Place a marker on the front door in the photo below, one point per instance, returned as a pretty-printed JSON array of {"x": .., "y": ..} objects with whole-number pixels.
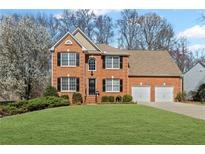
[{"x": 91, "y": 88}]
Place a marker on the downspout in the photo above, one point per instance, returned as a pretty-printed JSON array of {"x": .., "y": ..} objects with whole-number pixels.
[
  {"x": 84, "y": 78},
  {"x": 51, "y": 69}
]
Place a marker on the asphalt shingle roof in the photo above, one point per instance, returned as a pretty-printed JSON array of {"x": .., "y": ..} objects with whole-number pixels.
[{"x": 146, "y": 63}]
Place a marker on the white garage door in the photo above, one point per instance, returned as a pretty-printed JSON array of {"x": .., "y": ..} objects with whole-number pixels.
[
  {"x": 164, "y": 94},
  {"x": 141, "y": 94}
]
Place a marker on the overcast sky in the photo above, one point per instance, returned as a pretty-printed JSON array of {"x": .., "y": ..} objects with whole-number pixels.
[{"x": 186, "y": 23}]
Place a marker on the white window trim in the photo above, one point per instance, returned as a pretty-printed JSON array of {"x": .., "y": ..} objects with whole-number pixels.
[
  {"x": 68, "y": 60},
  {"x": 112, "y": 86},
  {"x": 68, "y": 85},
  {"x": 95, "y": 65},
  {"x": 112, "y": 62}
]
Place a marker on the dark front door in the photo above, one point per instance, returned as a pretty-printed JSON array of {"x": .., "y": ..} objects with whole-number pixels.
[{"x": 91, "y": 84}]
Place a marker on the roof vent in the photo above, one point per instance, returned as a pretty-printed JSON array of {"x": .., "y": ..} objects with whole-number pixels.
[{"x": 68, "y": 42}]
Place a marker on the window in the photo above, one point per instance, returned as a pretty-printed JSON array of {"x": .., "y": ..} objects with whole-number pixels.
[
  {"x": 68, "y": 59},
  {"x": 112, "y": 85},
  {"x": 68, "y": 84},
  {"x": 68, "y": 42},
  {"x": 112, "y": 62},
  {"x": 91, "y": 63}
]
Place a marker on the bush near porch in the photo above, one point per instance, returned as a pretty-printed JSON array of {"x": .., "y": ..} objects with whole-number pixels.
[{"x": 125, "y": 99}]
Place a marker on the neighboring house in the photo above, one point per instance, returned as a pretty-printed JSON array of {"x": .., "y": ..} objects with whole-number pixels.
[
  {"x": 194, "y": 78},
  {"x": 79, "y": 65}
]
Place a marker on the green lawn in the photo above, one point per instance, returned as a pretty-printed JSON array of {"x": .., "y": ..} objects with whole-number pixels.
[{"x": 101, "y": 124}]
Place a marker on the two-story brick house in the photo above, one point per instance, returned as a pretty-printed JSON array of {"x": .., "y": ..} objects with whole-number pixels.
[{"x": 79, "y": 65}]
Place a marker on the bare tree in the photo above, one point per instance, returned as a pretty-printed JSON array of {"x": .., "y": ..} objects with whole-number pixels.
[
  {"x": 23, "y": 55},
  {"x": 85, "y": 20},
  {"x": 183, "y": 57},
  {"x": 156, "y": 32},
  {"x": 129, "y": 29},
  {"x": 67, "y": 21},
  {"x": 104, "y": 29},
  {"x": 147, "y": 32}
]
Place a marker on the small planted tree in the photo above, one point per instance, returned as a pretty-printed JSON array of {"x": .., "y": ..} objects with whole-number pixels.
[
  {"x": 118, "y": 99},
  {"x": 181, "y": 97},
  {"x": 77, "y": 98}
]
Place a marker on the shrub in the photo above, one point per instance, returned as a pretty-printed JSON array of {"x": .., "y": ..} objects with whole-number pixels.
[
  {"x": 33, "y": 104},
  {"x": 57, "y": 101},
  {"x": 19, "y": 104},
  {"x": 201, "y": 92},
  {"x": 111, "y": 99},
  {"x": 10, "y": 110},
  {"x": 65, "y": 97},
  {"x": 118, "y": 99},
  {"x": 77, "y": 98},
  {"x": 6, "y": 102},
  {"x": 50, "y": 91},
  {"x": 181, "y": 97},
  {"x": 127, "y": 98},
  {"x": 105, "y": 99},
  {"x": 46, "y": 102}
]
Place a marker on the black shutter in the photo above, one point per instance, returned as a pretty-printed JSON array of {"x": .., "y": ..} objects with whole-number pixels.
[
  {"x": 59, "y": 84},
  {"x": 103, "y": 85},
  {"x": 58, "y": 59},
  {"x": 77, "y": 59},
  {"x": 121, "y": 62},
  {"x": 121, "y": 85},
  {"x": 77, "y": 84},
  {"x": 103, "y": 62}
]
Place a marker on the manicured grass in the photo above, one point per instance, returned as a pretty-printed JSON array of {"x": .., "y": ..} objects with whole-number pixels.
[{"x": 101, "y": 124}]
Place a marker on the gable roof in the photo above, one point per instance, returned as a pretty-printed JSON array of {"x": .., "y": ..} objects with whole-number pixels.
[
  {"x": 198, "y": 63},
  {"x": 78, "y": 30},
  {"x": 109, "y": 50},
  {"x": 68, "y": 33},
  {"x": 147, "y": 63}
]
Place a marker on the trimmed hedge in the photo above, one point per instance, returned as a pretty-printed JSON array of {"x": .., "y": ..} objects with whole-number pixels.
[
  {"x": 33, "y": 105},
  {"x": 105, "y": 99},
  {"x": 127, "y": 98},
  {"x": 118, "y": 99},
  {"x": 111, "y": 99}
]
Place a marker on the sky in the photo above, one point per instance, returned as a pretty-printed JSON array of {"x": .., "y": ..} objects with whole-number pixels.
[{"x": 187, "y": 23}]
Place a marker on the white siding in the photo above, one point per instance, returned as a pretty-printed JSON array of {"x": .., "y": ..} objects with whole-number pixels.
[{"x": 194, "y": 78}]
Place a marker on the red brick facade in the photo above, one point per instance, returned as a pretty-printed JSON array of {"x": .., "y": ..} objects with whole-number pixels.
[
  {"x": 153, "y": 82},
  {"x": 84, "y": 74}
]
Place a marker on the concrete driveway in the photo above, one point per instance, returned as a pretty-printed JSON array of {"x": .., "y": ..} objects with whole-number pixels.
[{"x": 196, "y": 111}]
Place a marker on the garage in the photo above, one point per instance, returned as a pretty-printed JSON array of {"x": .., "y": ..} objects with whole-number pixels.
[
  {"x": 164, "y": 94},
  {"x": 141, "y": 93}
]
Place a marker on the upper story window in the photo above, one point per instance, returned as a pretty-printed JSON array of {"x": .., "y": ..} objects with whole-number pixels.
[
  {"x": 91, "y": 63},
  {"x": 112, "y": 62},
  {"x": 68, "y": 59}
]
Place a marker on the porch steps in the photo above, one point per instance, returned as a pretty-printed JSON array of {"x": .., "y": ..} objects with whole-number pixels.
[{"x": 90, "y": 99}]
